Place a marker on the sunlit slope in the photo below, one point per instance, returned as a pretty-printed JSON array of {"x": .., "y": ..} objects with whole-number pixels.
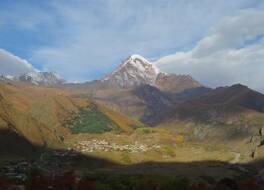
[
  {"x": 121, "y": 120},
  {"x": 37, "y": 113},
  {"x": 42, "y": 114}
]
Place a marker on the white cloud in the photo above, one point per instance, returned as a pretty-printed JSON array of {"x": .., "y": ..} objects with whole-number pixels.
[
  {"x": 13, "y": 65},
  {"x": 96, "y": 36},
  {"x": 82, "y": 40},
  {"x": 233, "y": 52},
  {"x": 25, "y": 17}
]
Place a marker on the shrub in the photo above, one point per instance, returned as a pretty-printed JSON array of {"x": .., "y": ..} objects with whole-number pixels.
[
  {"x": 125, "y": 157},
  {"x": 37, "y": 181},
  {"x": 134, "y": 182},
  {"x": 175, "y": 183},
  {"x": 208, "y": 179},
  {"x": 4, "y": 183},
  {"x": 133, "y": 126},
  {"x": 144, "y": 130},
  {"x": 168, "y": 150},
  {"x": 64, "y": 182},
  {"x": 179, "y": 139},
  {"x": 199, "y": 186},
  {"x": 86, "y": 184}
]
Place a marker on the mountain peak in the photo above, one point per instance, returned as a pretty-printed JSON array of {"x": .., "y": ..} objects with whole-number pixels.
[
  {"x": 139, "y": 62},
  {"x": 138, "y": 57},
  {"x": 134, "y": 71},
  {"x": 137, "y": 70}
]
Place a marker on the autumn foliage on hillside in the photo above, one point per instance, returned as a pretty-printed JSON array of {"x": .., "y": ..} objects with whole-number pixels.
[{"x": 69, "y": 181}]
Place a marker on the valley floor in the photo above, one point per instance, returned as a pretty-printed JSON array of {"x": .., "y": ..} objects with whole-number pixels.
[{"x": 159, "y": 145}]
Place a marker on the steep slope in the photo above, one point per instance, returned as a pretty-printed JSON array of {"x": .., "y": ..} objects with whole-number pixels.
[
  {"x": 235, "y": 105},
  {"x": 36, "y": 113},
  {"x": 97, "y": 118},
  {"x": 236, "y": 95},
  {"x": 135, "y": 71},
  {"x": 14, "y": 145},
  {"x": 124, "y": 123},
  {"x": 138, "y": 102},
  {"x": 175, "y": 83},
  {"x": 156, "y": 102},
  {"x": 40, "y": 114}
]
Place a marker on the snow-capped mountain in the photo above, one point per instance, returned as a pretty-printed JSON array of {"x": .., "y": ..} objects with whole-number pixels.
[
  {"x": 42, "y": 78},
  {"x": 37, "y": 78},
  {"x": 135, "y": 70}
]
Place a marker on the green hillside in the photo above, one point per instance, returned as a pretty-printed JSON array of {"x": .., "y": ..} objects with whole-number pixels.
[{"x": 91, "y": 120}]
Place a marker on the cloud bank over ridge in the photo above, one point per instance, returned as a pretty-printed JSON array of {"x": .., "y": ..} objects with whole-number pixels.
[
  {"x": 13, "y": 65},
  {"x": 232, "y": 52}
]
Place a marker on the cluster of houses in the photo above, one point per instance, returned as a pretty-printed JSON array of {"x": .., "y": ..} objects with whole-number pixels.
[{"x": 104, "y": 146}]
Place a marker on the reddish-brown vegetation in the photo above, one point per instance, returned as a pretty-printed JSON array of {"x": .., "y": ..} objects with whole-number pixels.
[{"x": 69, "y": 181}]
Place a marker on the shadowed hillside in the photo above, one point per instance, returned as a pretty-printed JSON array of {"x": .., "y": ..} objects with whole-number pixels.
[
  {"x": 235, "y": 105},
  {"x": 15, "y": 146}
]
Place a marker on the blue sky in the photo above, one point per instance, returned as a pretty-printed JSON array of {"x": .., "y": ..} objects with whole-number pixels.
[{"x": 85, "y": 39}]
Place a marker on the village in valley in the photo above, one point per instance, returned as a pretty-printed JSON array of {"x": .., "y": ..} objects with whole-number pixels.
[{"x": 102, "y": 145}]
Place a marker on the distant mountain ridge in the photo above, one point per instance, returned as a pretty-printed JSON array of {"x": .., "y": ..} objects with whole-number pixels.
[
  {"x": 42, "y": 78},
  {"x": 235, "y": 105},
  {"x": 37, "y": 78}
]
